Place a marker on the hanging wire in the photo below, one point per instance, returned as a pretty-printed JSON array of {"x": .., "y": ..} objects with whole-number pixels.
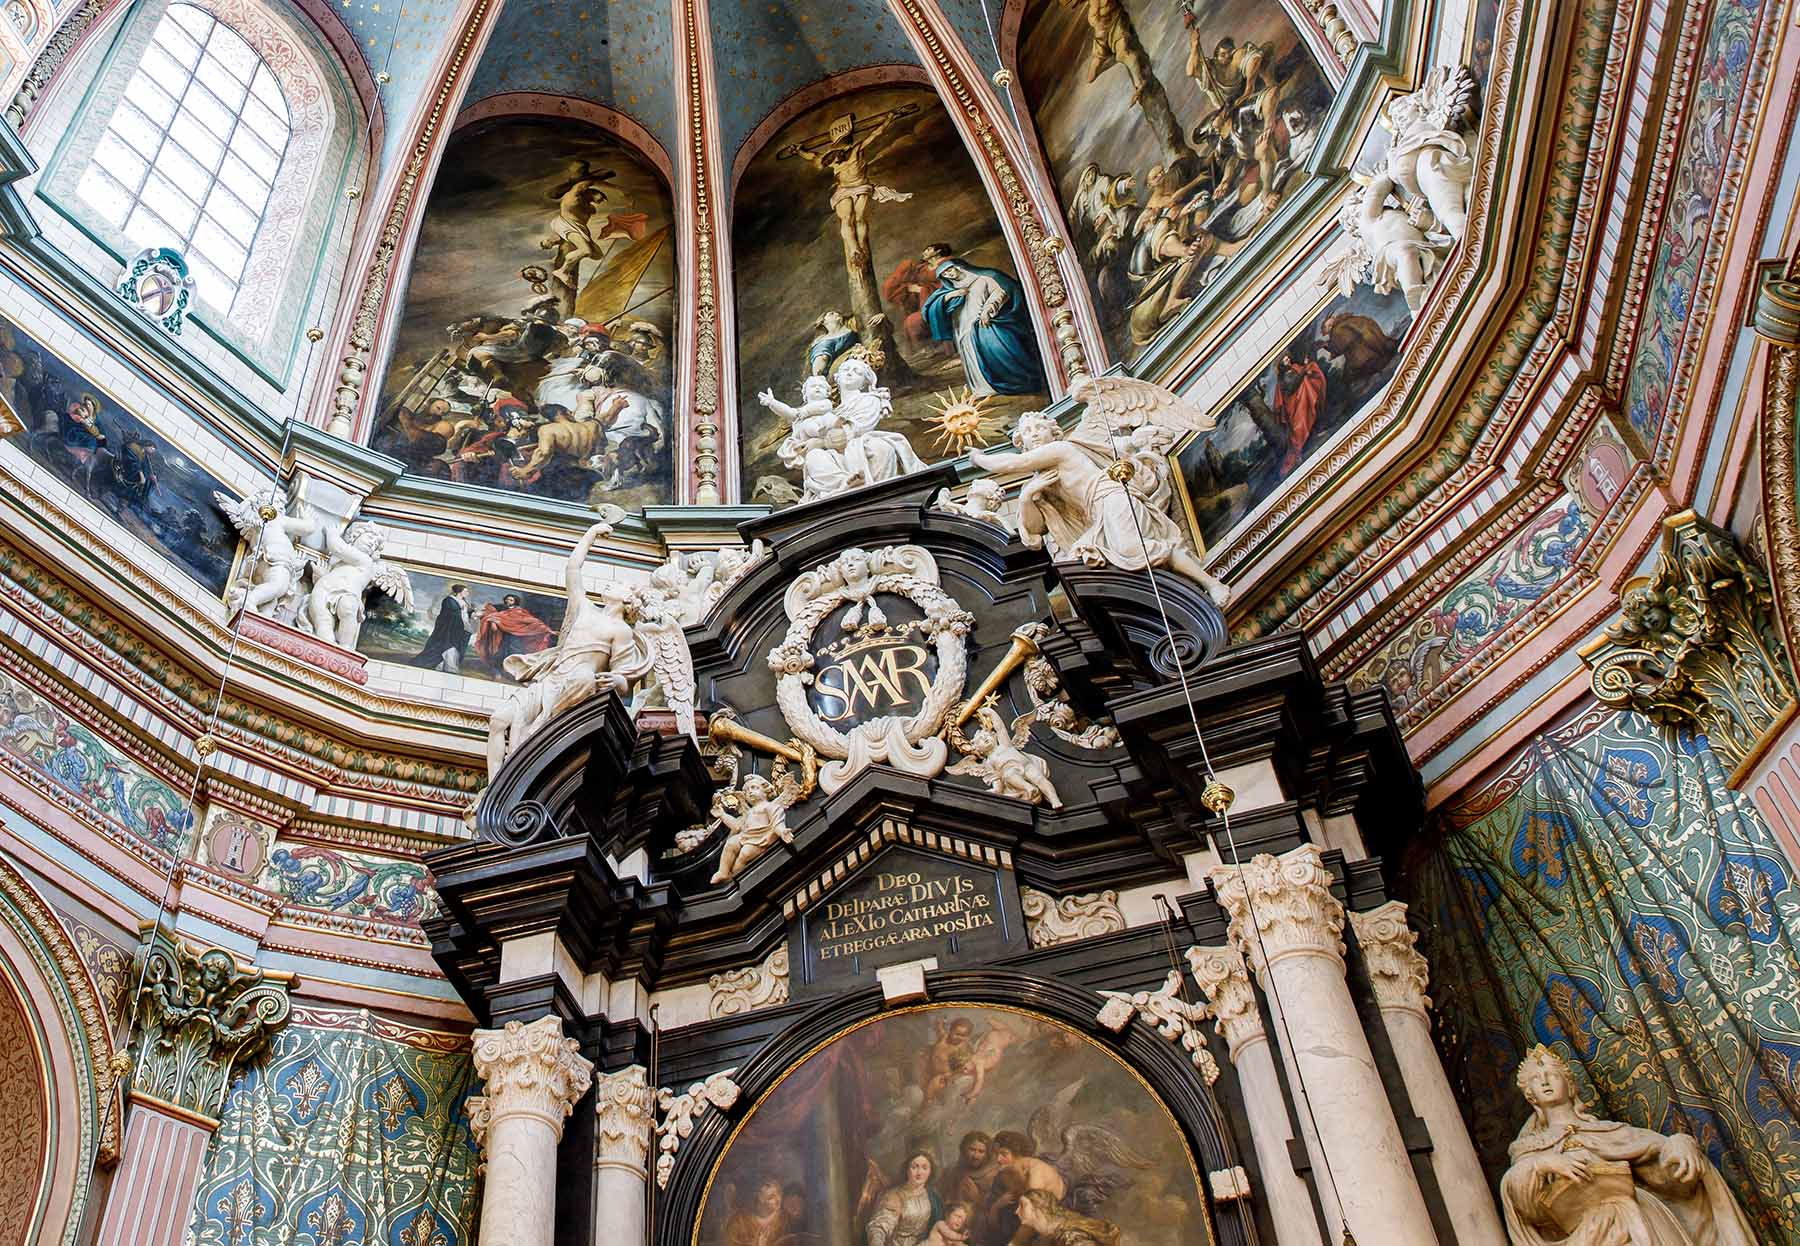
[{"x": 655, "y": 1080}]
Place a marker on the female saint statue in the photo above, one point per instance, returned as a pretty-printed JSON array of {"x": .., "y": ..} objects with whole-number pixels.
[{"x": 1581, "y": 1181}]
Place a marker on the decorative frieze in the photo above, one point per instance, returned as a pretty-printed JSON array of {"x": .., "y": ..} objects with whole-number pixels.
[
  {"x": 1050, "y": 920},
  {"x": 200, "y": 1015},
  {"x": 1281, "y": 906},
  {"x": 1397, "y": 971},
  {"x": 681, "y": 1111},
  {"x": 624, "y": 1111},
  {"x": 1697, "y": 644},
  {"x": 531, "y": 1070},
  {"x": 738, "y": 991},
  {"x": 1224, "y": 979},
  {"x": 1174, "y": 1018}
]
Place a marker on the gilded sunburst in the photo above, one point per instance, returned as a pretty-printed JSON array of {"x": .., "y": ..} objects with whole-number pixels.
[{"x": 962, "y": 420}]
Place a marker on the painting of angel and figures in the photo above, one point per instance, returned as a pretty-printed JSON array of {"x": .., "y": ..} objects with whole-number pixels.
[
  {"x": 1174, "y": 131},
  {"x": 533, "y": 353},
  {"x": 881, "y": 322},
  {"x": 957, "y": 1126}
]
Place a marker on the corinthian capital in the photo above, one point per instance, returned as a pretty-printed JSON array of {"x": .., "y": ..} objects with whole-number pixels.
[
  {"x": 1281, "y": 906},
  {"x": 531, "y": 1070},
  {"x": 1396, "y": 969},
  {"x": 1225, "y": 981},
  {"x": 623, "y": 1106},
  {"x": 200, "y": 1014}
]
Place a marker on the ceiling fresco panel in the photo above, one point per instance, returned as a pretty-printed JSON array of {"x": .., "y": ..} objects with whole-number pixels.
[
  {"x": 1172, "y": 132},
  {"x": 834, "y": 234},
  {"x": 533, "y": 351}
]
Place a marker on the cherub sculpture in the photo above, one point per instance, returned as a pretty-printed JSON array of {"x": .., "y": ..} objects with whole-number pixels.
[
  {"x": 686, "y": 581},
  {"x": 269, "y": 583},
  {"x": 629, "y": 637},
  {"x": 754, "y": 813},
  {"x": 997, "y": 756},
  {"x": 1429, "y": 156},
  {"x": 1102, "y": 492},
  {"x": 1388, "y": 246},
  {"x": 334, "y": 607},
  {"x": 983, "y": 501}
]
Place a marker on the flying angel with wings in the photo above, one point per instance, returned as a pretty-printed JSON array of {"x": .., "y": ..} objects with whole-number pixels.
[
  {"x": 622, "y": 642},
  {"x": 1094, "y": 1162},
  {"x": 269, "y": 581},
  {"x": 334, "y": 607},
  {"x": 1102, "y": 492},
  {"x": 997, "y": 756}
]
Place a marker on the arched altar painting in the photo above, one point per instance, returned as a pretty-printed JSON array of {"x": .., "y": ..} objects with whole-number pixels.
[
  {"x": 534, "y": 350},
  {"x": 1173, "y": 131},
  {"x": 977, "y": 1118},
  {"x": 861, "y": 228},
  {"x": 22, "y": 1120}
]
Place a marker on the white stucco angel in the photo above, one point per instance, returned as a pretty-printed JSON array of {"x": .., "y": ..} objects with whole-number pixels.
[
  {"x": 754, "y": 814},
  {"x": 1388, "y": 245},
  {"x": 269, "y": 582},
  {"x": 983, "y": 501},
  {"x": 997, "y": 756},
  {"x": 1103, "y": 491},
  {"x": 620, "y": 642},
  {"x": 1429, "y": 157},
  {"x": 334, "y": 606},
  {"x": 686, "y": 582}
]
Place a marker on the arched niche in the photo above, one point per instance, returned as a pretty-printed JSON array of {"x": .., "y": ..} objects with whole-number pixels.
[
  {"x": 840, "y": 196},
  {"x": 56, "y": 1080},
  {"x": 841, "y": 1101},
  {"x": 543, "y": 284},
  {"x": 1172, "y": 133}
]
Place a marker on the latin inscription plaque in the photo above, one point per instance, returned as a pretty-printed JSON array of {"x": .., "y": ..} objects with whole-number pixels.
[{"x": 905, "y": 905}]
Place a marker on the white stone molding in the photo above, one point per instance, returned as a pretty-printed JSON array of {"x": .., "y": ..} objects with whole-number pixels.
[
  {"x": 1281, "y": 906},
  {"x": 624, "y": 1109},
  {"x": 1397, "y": 971},
  {"x": 738, "y": 991},
  {"x": 1050, "y": 920},
  {"x": 1224, "y": 979},
  {"x": 1174, "y": 1018},
  {"x": 681, "y": 1111}
]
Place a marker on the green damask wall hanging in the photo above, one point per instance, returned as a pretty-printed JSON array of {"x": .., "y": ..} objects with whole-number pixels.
[{"x": 1609, "y": 896}]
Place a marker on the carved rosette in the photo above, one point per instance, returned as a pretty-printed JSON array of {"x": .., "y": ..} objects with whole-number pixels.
[
  {"x": 681, "y": 1111},
  {"x": 1050, "y": 920},
  {"x": 624, "y": 1109},
  {"x": 1697, "y": 644},
  {"x": 1397, "y": 971},
  {"x": 531, "y": 1070},
  {"x": 1171, "y": 1015},
  {"x": 200, "y": 1015},
  {"x": 738, "y": 991},
  {"x": 1224, "y": 979},
  {"x": 1281, "y": 906}
]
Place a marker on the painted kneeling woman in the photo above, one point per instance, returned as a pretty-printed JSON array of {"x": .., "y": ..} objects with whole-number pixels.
[{"x": 1581, "y": 1181}]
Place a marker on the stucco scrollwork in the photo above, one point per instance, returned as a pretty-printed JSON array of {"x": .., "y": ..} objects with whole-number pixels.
[
  {"x": 738, "y": 991},
  {"x": 681, "y": 1111},
  {"x": 1697, "y": 645},
  {"x": 1172, "y": 1016},
  {"x": 1050, "y": 920}
]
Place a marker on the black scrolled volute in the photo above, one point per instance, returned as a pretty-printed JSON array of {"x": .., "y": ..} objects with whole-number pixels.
[
  {"x": 1163, "y": 1065},
  {"x": 534, "y": 797},
  {"x": 1126, "y": 613}
]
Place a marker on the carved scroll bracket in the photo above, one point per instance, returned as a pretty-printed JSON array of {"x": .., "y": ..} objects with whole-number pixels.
[
  {"x": 681, "y": 1111},
  {"x": 1172, "y": 1016}
]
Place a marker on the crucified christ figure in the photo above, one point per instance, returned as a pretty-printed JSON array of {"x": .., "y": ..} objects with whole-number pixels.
[{"x": 843, "y": 152}]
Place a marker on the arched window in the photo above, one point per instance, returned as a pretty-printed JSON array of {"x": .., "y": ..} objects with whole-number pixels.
[{"x": 191, "y": 152}]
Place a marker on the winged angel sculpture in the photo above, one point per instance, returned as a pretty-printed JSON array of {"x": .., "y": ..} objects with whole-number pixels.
[
  {"x": 1103, "y": 491},
  {"x": 997, "y": 755},
  {"x": 622, "y": 642},
  {"x": 270, "y": 582}
]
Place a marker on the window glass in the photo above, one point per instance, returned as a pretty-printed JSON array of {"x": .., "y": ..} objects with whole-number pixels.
[{"x": 190, "y": 154}]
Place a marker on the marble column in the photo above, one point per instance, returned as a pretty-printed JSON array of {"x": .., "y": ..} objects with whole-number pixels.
[
  {"x": 623, "y": 1108},
  {"x": 1399, "y": 975},
  {"x": 1287, "y": 924},
  {"x": 533, "y": 1076},
  {"x": 1225, "y": 982}
]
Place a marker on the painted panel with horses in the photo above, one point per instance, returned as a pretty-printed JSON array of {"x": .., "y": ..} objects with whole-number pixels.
[
  {"x": 533, "y": 353},
  {"x": 77, "y": 432},
  {"x": 1173, "y": 132},
  {"x": 957, "y": 1125}
]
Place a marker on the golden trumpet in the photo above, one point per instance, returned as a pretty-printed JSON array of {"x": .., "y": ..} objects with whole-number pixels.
[
  {"x": 726, "y": 730},
  {"x": 1023, "y": 646}
]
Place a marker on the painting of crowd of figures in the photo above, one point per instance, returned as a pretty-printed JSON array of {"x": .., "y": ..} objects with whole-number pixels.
[
  {"x": 533, "y": 352},
  {"x": 957, "y": 1126},
  {"x": 862, "y": 235},
  {"x": 1173, "y": 131}
]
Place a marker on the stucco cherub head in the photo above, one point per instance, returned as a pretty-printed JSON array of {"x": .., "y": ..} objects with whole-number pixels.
[
  {"x": 815, "y": 389},
  {"x": 1035, "y": 429}
]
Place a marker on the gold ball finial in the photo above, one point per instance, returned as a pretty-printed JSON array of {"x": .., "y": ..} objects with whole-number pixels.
[
  {"x": 384, "y": 77},
  {"x": 265, "y": 512},
  {"x": 353, "y": 192},
  {"x": 315, "y": 335},
  {"x": 1121, "y": 470},
  {"x": 1003, "y": 78},
  {"x": 1216, "y": 796},
  {"x": 204, "y": 746}
]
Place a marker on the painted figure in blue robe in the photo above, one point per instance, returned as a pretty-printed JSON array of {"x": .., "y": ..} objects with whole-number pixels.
[
  {"x": 833, "y": 335},
  {"x": 983, "y": 311}
]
